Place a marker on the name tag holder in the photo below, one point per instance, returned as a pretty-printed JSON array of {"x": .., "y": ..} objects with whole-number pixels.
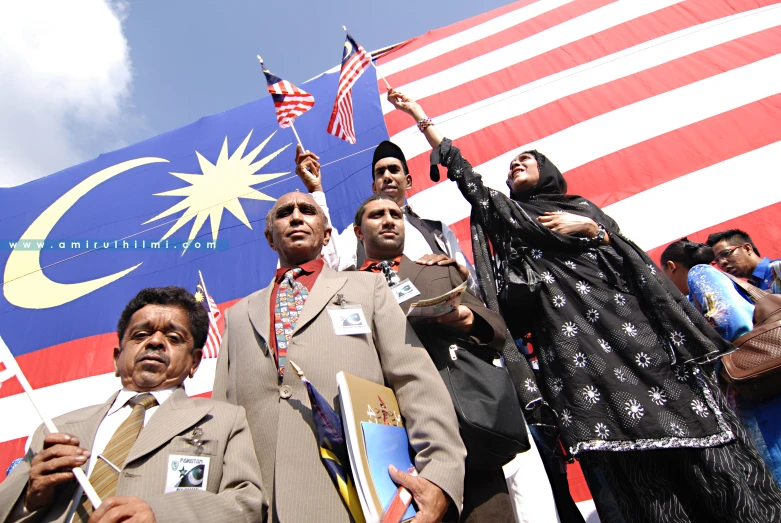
[{"x": 347, "y": 320}]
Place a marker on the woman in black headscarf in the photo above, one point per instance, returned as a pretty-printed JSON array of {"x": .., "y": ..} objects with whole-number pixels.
[{"x": 621, "y": 349}]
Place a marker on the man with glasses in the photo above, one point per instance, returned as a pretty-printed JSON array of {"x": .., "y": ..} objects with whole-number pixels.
[{"x": 736, "y": 254}]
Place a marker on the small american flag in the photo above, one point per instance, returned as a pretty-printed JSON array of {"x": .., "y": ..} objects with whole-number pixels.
[
  {"x": 289, "y": 100},
  {"x": 213, "y": 340},
  {"x": 355, "y": 60}
]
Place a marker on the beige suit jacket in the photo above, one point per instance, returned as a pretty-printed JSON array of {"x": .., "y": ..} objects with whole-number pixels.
[
  {"x": 233, "y": 488},
  {"x": 280, "y": 417}
]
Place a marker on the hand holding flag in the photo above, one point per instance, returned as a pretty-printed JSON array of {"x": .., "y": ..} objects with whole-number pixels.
[{"x": 12, "y": 369}]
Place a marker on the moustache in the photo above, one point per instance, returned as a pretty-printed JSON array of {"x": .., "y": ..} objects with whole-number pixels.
[{"x": 154, "y": 355}]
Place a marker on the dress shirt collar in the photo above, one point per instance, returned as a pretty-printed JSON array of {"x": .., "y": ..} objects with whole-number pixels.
[
  {"x": 310, "y": 267},
  {"x": 125, "y": 395},
  {"x": 372, "y": 265},
  {"x": 406, "y": 209},
  {"x": 759, "y": 274}
]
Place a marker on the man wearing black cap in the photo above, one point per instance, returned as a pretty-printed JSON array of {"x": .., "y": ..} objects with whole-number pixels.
[{"x": 428, "y": 241}]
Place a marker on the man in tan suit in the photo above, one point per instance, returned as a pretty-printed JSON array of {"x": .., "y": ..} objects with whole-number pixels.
[
  {"x": 151, "y": 452},
  {"x": 278, "y": 409}
]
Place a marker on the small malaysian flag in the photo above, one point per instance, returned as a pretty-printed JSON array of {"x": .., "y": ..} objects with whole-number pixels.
[
  {"x": 213, "y": 340},
  {"x": 355, "y": 60},
  {"x": 289, "y": 100}
]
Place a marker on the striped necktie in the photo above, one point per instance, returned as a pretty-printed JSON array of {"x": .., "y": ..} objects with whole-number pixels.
[
  {"x": 287, "y": 309},
  {"x": 103, "y": 477}
]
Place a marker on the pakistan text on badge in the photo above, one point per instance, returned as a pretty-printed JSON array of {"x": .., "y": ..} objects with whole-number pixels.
[{"x": 186, "y": 473}]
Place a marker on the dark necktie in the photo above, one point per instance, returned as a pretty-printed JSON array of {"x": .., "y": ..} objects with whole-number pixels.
[{"x": 387, "y": 270}]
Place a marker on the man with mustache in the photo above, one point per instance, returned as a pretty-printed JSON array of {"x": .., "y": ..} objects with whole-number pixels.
[
  {"x": 291, "y": 320},
  {"x": 152, "y": 453},
  {"x": 428, "y": 241},
  {"x": 380, "y": 227}
]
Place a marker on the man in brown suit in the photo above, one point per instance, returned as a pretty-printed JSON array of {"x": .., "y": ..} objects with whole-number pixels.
[
  {"x": 252, "y": 359},
  {"x": 379, "y": 225},
  {"x": 151, "y": 452}
]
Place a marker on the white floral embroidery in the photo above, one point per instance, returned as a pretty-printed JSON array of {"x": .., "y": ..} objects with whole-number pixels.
[
  {"x": 605, "y": 345},
  {"x": 549, "y": 355},
  {"x": 602, "y": 430},
  {"x": 590, "y": 393},
  {"x": 592, "y": 315},
  {"x": 634, "y": 409},
  {"x": 643, "y": 359},
  {"x": 569, "y": 329},
  {"x": 658, "y": 395},
  {"x": 583, "y": 287},
  {"x": 677, "y": 338},
  {"x": 620, "y": 375},
  {"x": 601, "y": 274},
  {"x": 592, "y": 255},
  {"x": 557, "y": 384},
  {"x": 630, "y": 329},
  {"x": 653, "y": 269},
  {"x": 484, "y": 204},
  {"x": 536, "y": 254},
  {"x": 566, "y": 417},
  {"x": 580, "y": 360},
  {"x": 571, "y": 264},
  {"x": 680, "y": 373},
  {"x": 619, "y": 299},
  {"x": 530, "y": 385},
  {"x": 558, "y": 301},
  {"x": 472, "y": 186},
  {"x": 547, "y": 277},
  {"x": 699, "y": 408},
  {"x": 677, "y": 429}
]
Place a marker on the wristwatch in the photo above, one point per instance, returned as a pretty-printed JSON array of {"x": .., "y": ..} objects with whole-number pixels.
[{"x": 600, "y": 237}]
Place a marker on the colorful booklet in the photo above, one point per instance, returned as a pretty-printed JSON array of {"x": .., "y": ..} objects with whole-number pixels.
[{"x": 376, "y": 438}]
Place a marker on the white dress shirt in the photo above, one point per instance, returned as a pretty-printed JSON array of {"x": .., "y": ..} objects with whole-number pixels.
[
  {"x": 341, "y": 252},
  {"x": 118, "y": 413}
]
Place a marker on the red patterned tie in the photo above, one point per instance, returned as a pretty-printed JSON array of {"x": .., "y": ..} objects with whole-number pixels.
[{"x": 290, "y": 302}]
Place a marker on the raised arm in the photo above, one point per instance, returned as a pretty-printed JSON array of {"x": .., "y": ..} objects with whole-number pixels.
[{"x": 458, "y": 168}]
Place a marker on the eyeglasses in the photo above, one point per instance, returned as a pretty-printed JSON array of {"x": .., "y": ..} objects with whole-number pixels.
[{"x": 726, "y": 253}]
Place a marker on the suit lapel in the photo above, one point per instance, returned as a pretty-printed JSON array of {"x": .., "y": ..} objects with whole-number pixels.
[
  {"x": 327, "y": 285},
  {"x": 258, "y": 309},
  {"x": 174, "y": 416},
  {"x": 410, "y": 269},
  {"x": 86, "y": 429}
]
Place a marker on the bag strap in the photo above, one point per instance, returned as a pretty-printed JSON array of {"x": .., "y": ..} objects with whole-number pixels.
[
  {"x": 756, "y": 332},
  {"x": 754, "y": 292}
]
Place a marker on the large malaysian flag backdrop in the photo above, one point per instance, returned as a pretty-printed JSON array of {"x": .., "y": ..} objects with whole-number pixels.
[{"x": 667, "y": 113}]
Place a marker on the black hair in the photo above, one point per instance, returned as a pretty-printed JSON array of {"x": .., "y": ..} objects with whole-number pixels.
[
  {"x": 362, "y": 208},
  {"x": 174, "y": 296},
  {"x": 688, "y": 253},
  {"x": 733, "y": 237}
]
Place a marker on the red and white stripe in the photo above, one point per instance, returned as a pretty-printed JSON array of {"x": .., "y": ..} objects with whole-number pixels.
[
  {"x": 295, "y": 103},
  {"x": 212, "y": 347},
  {"x": 341, "y": 124},
  {"x": 664, "y": 112}
]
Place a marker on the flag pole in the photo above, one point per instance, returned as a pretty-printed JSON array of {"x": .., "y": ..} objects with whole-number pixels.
[
  {"x": 296, "y": 133},
  {"x": 11, "y": 365},
  {"x": 375, "y": 66}
]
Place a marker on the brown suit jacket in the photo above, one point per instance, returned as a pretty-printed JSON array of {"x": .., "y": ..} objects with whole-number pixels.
[
  {"x": 233, "y": 490},
  {"x": 280, "y": 416},
  {"x": 435, "y": 280}
]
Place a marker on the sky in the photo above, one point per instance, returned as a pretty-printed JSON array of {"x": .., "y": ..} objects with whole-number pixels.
[{"x": 84, "y": 77}]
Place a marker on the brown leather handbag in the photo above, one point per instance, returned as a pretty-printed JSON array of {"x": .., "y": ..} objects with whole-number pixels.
[{"x": 754, "y": 370}]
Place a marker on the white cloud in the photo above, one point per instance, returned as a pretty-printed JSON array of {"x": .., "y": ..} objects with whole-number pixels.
[{"x": 65, "y": 77}]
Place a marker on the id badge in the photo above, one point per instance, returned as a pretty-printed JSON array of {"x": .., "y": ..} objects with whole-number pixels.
[
  {"x": 404, "y": 290},
  {"x": 348, "y": 320},
  {"x": 186, "y": 473}
]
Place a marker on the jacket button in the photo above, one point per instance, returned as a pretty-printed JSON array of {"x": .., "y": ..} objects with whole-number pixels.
[{"x": 285, "y": 391}]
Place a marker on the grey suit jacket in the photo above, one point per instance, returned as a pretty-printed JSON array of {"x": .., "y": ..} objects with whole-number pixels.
[
  {"x": 282, "y": 424},
  {"x": 233, "y": 490}
]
